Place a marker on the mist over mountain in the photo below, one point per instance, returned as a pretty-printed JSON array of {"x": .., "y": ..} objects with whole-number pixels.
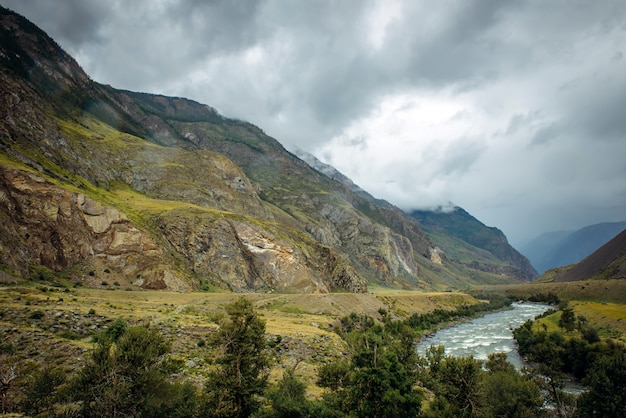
[
  {"x": 165, "y": 193},
  {"x": 330, "y": 171},
  {"x": 561, "y": 248}
]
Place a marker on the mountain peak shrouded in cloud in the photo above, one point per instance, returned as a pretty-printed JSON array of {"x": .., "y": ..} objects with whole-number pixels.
[
  {"x": 446, "y": 208},
  {"x": 513, "y": 110}
]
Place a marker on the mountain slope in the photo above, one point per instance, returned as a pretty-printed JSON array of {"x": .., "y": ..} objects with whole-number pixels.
[
  {"x": 459, "y": 224},
  {"x": 607, "y": 262},
  {"x": 563, "y": 248},
  {"x": 537, "y": 248},
  {"x": 207, "y": 201}
]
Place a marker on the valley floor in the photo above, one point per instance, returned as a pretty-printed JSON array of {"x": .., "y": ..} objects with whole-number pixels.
[
  {"x": 601, "y": 302},
  {"x": 47, "y": 325}
]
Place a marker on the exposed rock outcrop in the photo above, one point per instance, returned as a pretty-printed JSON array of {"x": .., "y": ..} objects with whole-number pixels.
[{"x": 57, "y": 228}]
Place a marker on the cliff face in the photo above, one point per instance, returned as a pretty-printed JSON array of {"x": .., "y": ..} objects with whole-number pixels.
[
  {"x": 53, "y": 227},
  {"x": 167, "y": 193}
]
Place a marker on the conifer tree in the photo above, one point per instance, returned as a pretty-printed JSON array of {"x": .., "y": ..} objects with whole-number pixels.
[
  {"x": 233, "y": 388},
  {"x": 126, "y": 377}
]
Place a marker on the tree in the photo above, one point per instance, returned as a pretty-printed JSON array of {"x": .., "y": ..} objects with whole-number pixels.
[
  {"x": 8, "y": 375},
  {"x": 288, "y": 398},
  {"x": 379, "y": 378},
  {"x": 456, "y": 383},
  {"x": 42, "y": 390},
  {"x": 242, "y": 365},
  {"x": 126, "y": 377},
  {"x": 506, "y": 392},
  {"x": 568, "y": 319},
  {"x": 607, "y": 394}
]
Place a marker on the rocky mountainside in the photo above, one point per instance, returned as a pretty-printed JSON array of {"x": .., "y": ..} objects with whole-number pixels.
[
  {"x": 447, "y": 227},
  {"x": 607, "y": 262},
  {"x": 161, "y": 192},
  {"x": 555, "y": 249}
]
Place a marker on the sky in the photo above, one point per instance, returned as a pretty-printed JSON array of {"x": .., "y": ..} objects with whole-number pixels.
[{"x": 513, "y": 110}]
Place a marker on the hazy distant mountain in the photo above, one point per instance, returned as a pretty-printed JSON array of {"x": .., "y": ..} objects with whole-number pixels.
[
  {"x": 607, "y": 262},
  {"x": 555, "y": 249},
  {"x": 537, "y": 248}
]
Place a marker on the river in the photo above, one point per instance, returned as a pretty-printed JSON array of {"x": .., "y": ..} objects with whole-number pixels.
[{"x": 485, "y": 335}]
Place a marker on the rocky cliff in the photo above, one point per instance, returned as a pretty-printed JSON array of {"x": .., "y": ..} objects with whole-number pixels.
[{"x": 47, "y": 225}]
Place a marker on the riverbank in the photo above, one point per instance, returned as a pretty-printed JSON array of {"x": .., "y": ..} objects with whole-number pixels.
[{"x": 609, "y": 291}]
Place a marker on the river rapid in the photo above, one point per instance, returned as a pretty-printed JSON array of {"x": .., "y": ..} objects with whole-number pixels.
[{"x": 485, "y": 335}]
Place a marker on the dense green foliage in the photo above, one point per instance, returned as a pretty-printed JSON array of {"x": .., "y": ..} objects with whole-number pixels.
[
  {"x": 126, "y": 376},
  {"x": 509, "y": 393},
  {"x": 577, "y": 350},
  {"x": 607, "y": 383},
  {"x": 572, "y": 354},
  {"x": 379, "y": 378},
  {"x": 42, "y": 390}
]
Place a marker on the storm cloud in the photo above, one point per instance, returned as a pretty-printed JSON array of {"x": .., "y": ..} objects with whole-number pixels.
[{"x": 514, "y": 110}]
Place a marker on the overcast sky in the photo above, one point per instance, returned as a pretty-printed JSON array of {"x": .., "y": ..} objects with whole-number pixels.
[{"x": 513, "y": 110}]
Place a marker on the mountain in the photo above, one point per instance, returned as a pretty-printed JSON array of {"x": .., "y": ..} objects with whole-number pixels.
[
  {"x": 607, "y": 262},
  {"x": 554, "y": 249},
  {"x": 99, "y": 185},
  {"x": 537, "y": 248},
  {"x": 461, "y": 237}
]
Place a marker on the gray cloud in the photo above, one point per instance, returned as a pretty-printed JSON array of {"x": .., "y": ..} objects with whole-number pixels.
[
  {"x": 506, "y": 108},
  {"x": 73, "y": 22}
]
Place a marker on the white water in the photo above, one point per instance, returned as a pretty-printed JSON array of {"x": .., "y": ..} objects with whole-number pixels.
[{"x": 485, "y": 335}]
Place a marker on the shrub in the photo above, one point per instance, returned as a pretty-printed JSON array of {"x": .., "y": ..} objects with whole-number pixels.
[{"x": 37, "y": 315}]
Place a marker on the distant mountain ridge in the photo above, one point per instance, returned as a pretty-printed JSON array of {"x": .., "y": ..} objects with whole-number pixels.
[
  {"x": 607, "y": 262},
  {"x": 556, "y": 249},
  {"x": 166, "y": 193}
]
